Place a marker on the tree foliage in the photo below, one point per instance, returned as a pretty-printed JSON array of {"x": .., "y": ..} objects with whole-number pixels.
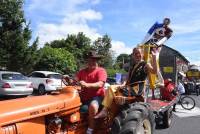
[
  {"x": 56, "y": 59},
  {"x": 15, "y": 34},
  {"x": 121, "y": 60},
  {"x": 32, "y": 57},
  {"x": 112, "y": 72},
  {"x": 78, "y": 45},
  {"x": 103, "y": 46}
]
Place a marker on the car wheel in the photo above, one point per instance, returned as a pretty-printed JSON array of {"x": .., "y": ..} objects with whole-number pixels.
[{"x": 41, "y": 90}]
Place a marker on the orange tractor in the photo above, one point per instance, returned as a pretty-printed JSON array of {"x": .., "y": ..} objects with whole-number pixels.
[
  {"x": 60, "y": 113},
  {"x": 63, "y": 113}
]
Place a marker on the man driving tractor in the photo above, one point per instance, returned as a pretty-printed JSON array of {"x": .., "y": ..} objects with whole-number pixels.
[{"x": 92, "y": 79}]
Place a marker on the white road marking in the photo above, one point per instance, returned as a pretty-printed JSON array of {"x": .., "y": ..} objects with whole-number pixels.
[{"x": 180, "y": 112}]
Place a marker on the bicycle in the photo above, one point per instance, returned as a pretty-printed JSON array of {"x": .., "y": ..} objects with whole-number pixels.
[{"x": 186, "y": 102}]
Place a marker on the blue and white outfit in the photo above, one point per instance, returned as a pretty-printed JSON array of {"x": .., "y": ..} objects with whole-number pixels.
[{"x": 158, "y": 34}]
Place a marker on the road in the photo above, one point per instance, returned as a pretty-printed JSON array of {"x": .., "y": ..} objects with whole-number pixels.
[{"x": 184, "y": 121}]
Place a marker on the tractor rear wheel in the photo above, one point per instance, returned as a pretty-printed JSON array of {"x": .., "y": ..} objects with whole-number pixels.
[{"x": 134, "y": 118}]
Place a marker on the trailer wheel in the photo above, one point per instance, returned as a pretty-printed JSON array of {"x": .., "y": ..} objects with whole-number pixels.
[
  {"x": 167, "y": 118},
  {"x": 197, "y": 91},
  {"x": 134, "y": 119}
]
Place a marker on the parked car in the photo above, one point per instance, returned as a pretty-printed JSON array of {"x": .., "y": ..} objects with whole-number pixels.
[
  {"x": 45, "y": 81},
  {"x": 14, "y": 83}
]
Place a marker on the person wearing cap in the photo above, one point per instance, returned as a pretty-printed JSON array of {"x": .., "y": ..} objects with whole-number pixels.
[
  {"x": 131, "y": 90},
  {"x": 92, "y": 79}
]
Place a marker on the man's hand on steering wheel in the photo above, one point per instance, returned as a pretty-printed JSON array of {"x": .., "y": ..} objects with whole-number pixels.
[
  {"x": 83, "y": 84},
  {"x": 69, "y": 81}
]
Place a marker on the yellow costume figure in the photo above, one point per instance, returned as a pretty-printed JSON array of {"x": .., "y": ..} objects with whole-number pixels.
[{"x": 147, "y": 57}]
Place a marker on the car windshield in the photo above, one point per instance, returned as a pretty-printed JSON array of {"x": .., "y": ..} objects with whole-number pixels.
[
  {"x": 55, "y": 76},
  {"x": 12, "y": 76}
]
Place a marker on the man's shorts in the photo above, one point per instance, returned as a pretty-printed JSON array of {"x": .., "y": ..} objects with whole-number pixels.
[
  {"x": 98, "y": 100},
  {"x": 95, "y": 100}
]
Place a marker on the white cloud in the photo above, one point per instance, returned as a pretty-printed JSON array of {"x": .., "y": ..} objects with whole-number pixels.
[
  {"x": 95, "y": 2},
  {"x": 71, "y": 24},
  {"x": 58, "y": 7},
  {"x": 120, "y": 47},
  {"x": 83, "y": 16},
  {"x": 71, "y": 19}
]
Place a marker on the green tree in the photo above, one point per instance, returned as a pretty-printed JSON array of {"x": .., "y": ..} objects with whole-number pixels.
[
  {"x": 78, "y": 45},
  {"x": 14, "y": 36},
  {"x": 112, "y": 72},
  {"x": 56, "y": 59},
  {"x": 32, "y": 56},
  {"x": 103, "y": 45},
  {"x": 121, "y": 60}
]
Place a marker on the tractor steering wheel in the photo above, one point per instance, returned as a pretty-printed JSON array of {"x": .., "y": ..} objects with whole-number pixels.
[{"x": 69, "y": 81}]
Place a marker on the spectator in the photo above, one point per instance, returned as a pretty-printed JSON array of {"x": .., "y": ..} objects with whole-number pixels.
[
  {"x": 168, "y": 92},
  {"x": 181, "y": 89}
]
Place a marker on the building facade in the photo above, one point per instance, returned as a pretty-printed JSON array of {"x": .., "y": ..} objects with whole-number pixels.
[{"x": 171, "y": 63}]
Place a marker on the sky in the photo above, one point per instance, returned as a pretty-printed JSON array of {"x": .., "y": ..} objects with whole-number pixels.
[{"x": 125, "y": 21}]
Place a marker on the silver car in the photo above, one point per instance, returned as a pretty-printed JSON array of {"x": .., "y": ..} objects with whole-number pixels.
[{"x": 14, "y": 83}]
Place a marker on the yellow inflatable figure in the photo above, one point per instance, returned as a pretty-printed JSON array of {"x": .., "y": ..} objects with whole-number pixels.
[{"x": 152, "y": 77}]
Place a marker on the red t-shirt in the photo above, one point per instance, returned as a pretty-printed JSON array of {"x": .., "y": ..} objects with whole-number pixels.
[
  {"x": 167, "y": 92},
  {"x": 92, "y": 76}
]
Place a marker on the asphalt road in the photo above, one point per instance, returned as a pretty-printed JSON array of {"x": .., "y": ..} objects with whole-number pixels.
[{"x": 184, "y": 121}]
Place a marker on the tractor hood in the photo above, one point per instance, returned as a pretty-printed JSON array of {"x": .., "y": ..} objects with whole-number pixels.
[{"x": 17, "y": 110}]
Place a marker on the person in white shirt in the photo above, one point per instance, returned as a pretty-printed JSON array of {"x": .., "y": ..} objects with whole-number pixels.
[{"x": 181, "y": 89}]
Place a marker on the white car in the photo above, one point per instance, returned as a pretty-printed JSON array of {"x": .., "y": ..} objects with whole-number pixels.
[
  {"x": 15, "y": 84},
  {"x": 45, "y": 81}
]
